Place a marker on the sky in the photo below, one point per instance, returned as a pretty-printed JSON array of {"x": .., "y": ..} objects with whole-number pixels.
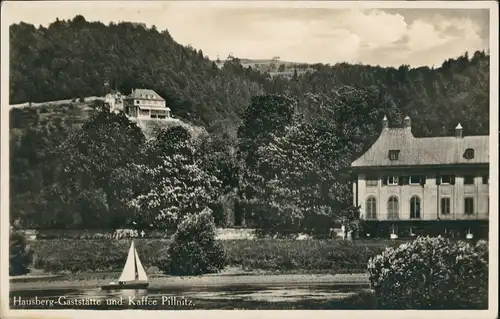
[{"x": 312, "y": 32}]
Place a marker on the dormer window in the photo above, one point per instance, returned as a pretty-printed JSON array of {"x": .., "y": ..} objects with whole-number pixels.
[
  {"x": 469, "y": 153},
  {"x": 394, "y": 155}
]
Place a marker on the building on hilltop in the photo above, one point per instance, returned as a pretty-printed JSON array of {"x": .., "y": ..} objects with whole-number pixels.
[
  {"x": 146, "y": 104},
  {"x": 407, "y": 186}
]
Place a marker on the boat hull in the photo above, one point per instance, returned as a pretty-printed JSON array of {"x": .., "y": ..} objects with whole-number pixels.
[{"x": 126, "y": 285}]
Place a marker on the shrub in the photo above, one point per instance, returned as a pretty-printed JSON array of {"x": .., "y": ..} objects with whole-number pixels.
[
  {"x": 81, "y": 100},
  {"x": 312, "y": 255},
  {"x": 21, "y": 256},
  {"x": 431, "y": 273},
  {"x": 194, "y": 249}
]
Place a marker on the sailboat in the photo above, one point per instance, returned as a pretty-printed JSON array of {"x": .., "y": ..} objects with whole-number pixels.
[{"x": 133, "y": 275}]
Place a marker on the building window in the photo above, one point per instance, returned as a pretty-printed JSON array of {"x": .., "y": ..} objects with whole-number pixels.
[
  {"x": 392, "y": 208},
  {"x": 469, "y": 180},
  {"x": 446, "y": 179},
  {"x": 394, "y": 155},
  {"x": 137, "y": 102},
  {"x": 415, "y": 207},
  {"x": 445, "y": 206},
  {"x": 415, "y": 180},
  {"x": 370, "y": 181},
  {"x": 392, "y": 180},
  {"x": 371, "y": 208},
  {"x": 469, "y": 206},
  {"x": 486, "y": 179},
  {"x": 469, "y": 153}
]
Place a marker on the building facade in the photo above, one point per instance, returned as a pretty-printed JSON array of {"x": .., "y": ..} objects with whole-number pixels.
[
  {"x": 407, "y": 186},
  {"x": 146, "y": 104}
]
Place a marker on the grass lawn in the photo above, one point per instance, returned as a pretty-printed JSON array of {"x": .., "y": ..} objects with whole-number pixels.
[{"x": 269, "y": 255}]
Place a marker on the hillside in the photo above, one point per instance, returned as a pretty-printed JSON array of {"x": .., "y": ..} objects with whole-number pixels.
[
  {"x": 70, "y": 59},
  {"x": 74, "y": 112},
  {"x": 151, "y": 126}
]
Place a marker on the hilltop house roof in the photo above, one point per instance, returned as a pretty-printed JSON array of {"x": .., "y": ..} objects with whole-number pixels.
[
  {"x": 414, "y": 151},
  {"x": 145, "y": 94}
]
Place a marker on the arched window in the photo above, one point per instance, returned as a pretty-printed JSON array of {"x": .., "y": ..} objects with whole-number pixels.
[
  {"x": 469, "y": 153},
  {"x": 371, "y": 208},
  {"x": 415, "y": 207},
  {"x": 393, "y": 207}
]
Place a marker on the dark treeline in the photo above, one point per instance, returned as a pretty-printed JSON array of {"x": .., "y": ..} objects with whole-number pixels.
[{"x": 275, "y": 147}]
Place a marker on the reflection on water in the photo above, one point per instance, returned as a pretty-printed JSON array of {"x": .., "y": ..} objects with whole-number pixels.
[{"x": 241, "y": 297}]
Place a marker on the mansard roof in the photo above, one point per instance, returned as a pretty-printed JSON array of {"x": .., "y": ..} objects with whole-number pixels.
[
  {"x": 415, "y": 151},
  {"x": 145, "y": 94}
]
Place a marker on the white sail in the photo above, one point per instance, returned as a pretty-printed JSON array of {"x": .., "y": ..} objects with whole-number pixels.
[
  {"x": 128, "y": 273},
  {"x": 140, "y": 269}
]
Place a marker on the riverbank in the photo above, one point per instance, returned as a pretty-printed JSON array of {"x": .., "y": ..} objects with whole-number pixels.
[{"x": 206, "y": 281}]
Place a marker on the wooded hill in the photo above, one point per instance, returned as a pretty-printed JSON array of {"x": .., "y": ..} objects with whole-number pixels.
[{"x": 76, "y": 58}]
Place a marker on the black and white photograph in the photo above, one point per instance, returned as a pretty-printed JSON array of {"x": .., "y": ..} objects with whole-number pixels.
[{"x": 249, "y": 155}]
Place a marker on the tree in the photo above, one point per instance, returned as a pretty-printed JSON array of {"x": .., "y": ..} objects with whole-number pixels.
[
  {"x": 178, "y": 184},
  {"x": 353, "y": 114},
  {"x": 35, "y": 157},
  {"x": 304, "y": 187},
  {"x": 217, "y": 157},
  {"x": 99, "y": 173},
  {"x": 299, "y": 181},
  {"x": 265, "y": 116},
  {"x": 194, "y": 249}
]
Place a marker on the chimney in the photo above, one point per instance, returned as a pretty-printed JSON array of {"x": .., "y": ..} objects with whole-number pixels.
[
  {"x": 458, "y": 131},
  {"x": 407, "y": 124},
  {"x": 385, "y": 123}
]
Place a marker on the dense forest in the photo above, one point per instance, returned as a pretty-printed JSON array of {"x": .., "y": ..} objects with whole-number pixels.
[{"x": 274, "y": 153}]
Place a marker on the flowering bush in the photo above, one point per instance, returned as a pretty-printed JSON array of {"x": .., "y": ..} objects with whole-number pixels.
[
  {"x": 21, "y": 255},
  {"x": 431, "y": 273},
  {"x": 194, "y": 249}
]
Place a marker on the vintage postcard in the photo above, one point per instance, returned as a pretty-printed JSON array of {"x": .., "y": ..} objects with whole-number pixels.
[{"x": 173, "y": 157}]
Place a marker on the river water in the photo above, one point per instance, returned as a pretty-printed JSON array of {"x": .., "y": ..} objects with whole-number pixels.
[{"x": 237, "y": 297}]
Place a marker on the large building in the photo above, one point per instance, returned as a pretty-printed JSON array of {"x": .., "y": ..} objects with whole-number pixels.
[
  {"x": 407, "y": 186},
  {"x": 146, "y": 104}
]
